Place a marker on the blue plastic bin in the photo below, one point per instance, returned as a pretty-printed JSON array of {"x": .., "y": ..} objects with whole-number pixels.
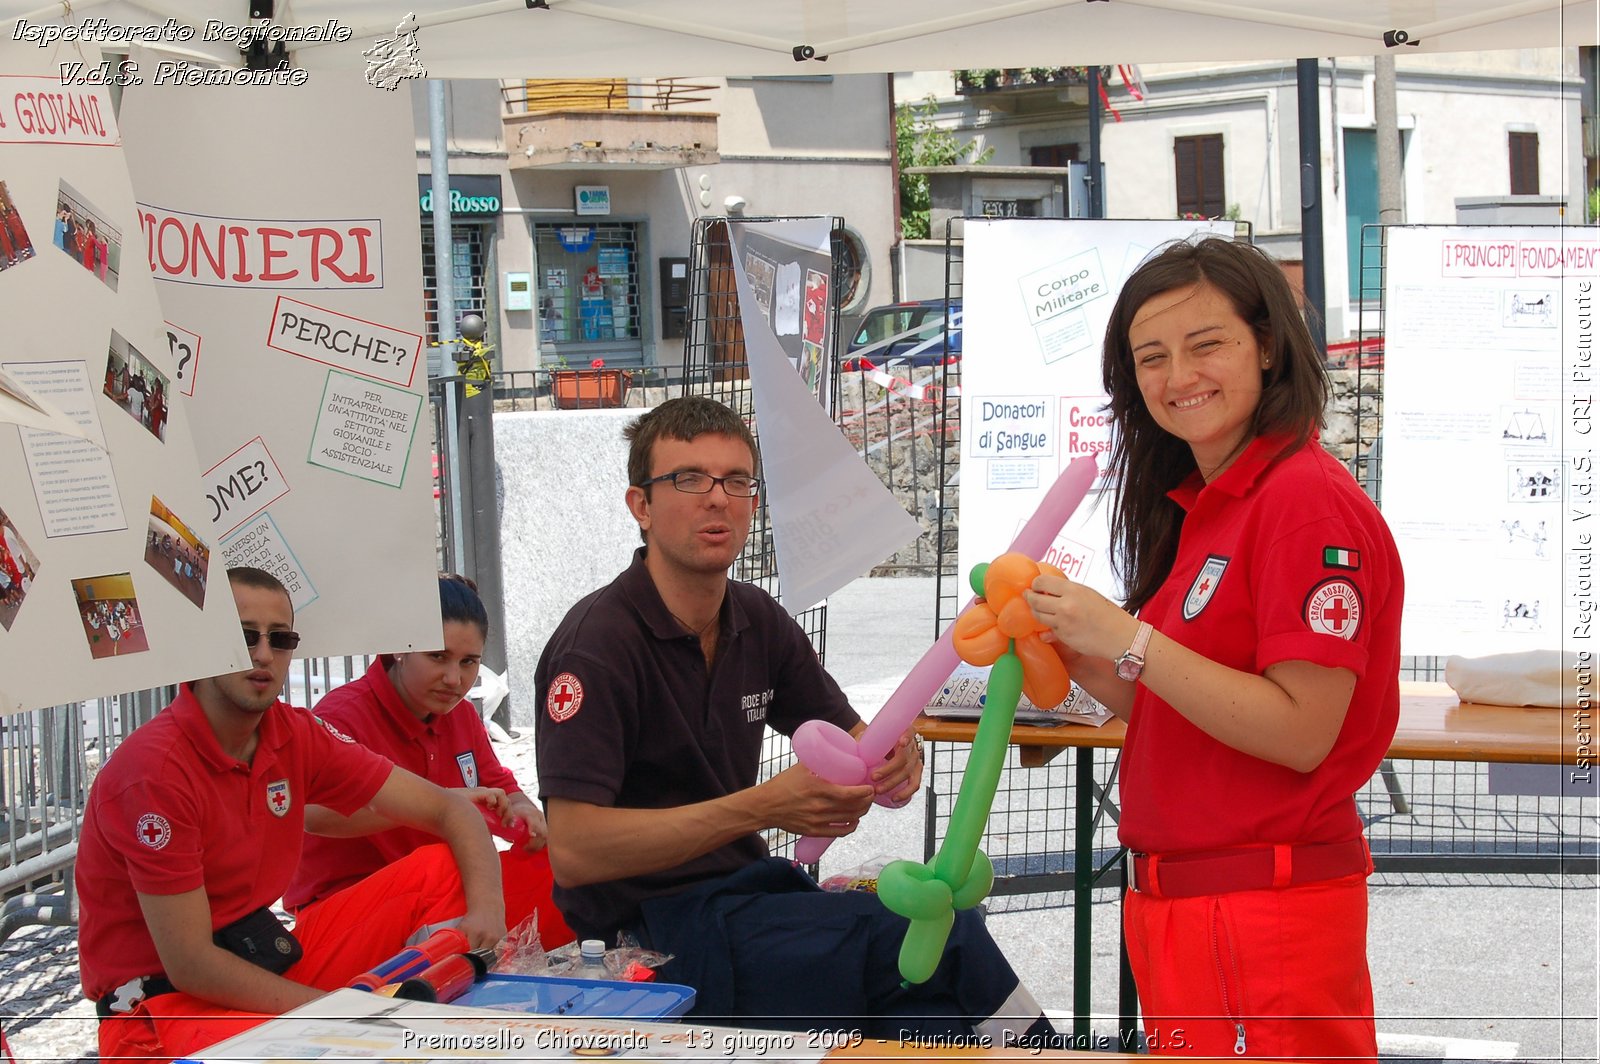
[{"x": 596, "y": 998}]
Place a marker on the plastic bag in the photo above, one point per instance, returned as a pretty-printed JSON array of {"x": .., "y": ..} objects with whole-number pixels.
[
  {"x": 863, "y": 877},
  {"x": 521, "y": 952},
  {"x": 628, "y": 961}
]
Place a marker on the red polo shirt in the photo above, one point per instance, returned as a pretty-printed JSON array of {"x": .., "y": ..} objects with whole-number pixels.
[
  {"x": 450, "y": 749},
  {"x": 170, "y": 812},
  {"x": 1283, "y": 560}
]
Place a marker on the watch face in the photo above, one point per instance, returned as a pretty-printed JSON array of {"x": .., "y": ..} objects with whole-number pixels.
[{"x": 1129, "y": 668}]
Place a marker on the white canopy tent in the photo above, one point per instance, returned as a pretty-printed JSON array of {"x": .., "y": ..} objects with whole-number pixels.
[{"x": 654, "y": 38}]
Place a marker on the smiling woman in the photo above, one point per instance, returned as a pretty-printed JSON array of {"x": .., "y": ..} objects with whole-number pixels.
[{"x": 1255, "y": 660}]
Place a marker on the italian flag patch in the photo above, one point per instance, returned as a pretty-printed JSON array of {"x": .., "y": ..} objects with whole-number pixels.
[{"x": 1341, "y": 558}]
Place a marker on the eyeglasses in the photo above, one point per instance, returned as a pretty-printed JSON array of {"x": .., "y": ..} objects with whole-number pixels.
[
  {"x": 282, "y": 639},
  {"x": 693, "y": 482}
]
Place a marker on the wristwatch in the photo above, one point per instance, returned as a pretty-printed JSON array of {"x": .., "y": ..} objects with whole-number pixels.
[{"x": 1131, "y": 664}]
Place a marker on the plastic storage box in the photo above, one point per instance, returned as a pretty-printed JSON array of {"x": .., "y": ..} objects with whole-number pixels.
[{"x": 550, "y": 996}]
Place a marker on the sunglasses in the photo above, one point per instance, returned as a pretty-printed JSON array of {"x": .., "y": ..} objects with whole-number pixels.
[{"x": 279, "y": 640}]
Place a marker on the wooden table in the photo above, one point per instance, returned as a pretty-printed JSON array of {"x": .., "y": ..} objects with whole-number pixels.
[{"x": 1434, "y": 725}]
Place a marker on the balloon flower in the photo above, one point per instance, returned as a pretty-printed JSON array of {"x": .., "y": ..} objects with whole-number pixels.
[
  {"x": 838, "y": 757},
  {"x": 1000, "y": 630}
]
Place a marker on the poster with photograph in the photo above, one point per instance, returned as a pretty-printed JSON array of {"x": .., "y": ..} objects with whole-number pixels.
[
  {"x": 1037, "y": 297},
  {"x": 1489, "y": 366},
  {"x": 788, "y": 279},
  {"x": 311, "y": 416},
  {"x": 85, "y": 351}
]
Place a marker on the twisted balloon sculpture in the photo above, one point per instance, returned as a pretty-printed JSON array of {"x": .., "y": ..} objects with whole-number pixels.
[
  {"x": 1002, "y": 631},
  {"x": 837, "y": 756}
]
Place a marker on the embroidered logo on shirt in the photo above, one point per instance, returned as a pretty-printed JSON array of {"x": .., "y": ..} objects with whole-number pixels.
[
  {"x": 153, "y": 830},
  {"x": 1341, "y": 558},
  {"x": 1204, "y": 586},
  {"x": 564, "y": 698},
  {"x": 469, "y": 768},
  {"x": 1334, "y": 608},
  {"x": 335, "y": 732},
  {"x": 755, "y": 706},
  {"x": 278, "y": 797}
]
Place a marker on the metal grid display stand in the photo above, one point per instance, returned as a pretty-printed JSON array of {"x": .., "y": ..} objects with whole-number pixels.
[{"x": 715, "y": 366}]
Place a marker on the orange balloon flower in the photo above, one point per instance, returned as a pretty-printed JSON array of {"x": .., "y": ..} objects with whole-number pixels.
[{"x": 987, "y": 627}]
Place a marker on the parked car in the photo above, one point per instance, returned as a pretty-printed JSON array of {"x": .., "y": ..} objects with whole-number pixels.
[{"x": 906, "y": 334}]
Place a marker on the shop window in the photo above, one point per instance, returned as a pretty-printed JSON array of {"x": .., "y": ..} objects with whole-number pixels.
[
  {"x": 588, "y": 283},
  {"x": 1198, "y": 167},
  {"x": 467, "y": 269}
]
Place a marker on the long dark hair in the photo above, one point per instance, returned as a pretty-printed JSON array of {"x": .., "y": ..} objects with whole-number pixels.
[{"x": 1147, "y": 460}]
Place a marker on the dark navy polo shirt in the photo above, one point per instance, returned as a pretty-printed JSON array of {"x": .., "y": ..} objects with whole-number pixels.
[{"x": 630, "y": 718}]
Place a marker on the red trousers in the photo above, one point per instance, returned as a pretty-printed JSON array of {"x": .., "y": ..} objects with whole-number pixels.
[
  {"x": 342, "y": 936},
  {"x": 1285, "y": 971}
]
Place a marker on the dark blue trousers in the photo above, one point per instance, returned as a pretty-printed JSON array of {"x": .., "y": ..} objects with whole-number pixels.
[{"x": 766, "y": 947}]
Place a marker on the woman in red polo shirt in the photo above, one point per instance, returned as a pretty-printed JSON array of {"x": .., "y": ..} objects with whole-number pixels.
[
  {"x": 1256, "y": 660},
  {"x": 412, "y": 708}
]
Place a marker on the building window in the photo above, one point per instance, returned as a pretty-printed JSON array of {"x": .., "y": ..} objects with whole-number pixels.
[
  {"x": 467, "y": 267},
  {"x": 1198, "y": 162},
  {"x": 1524, "y": 164},
  {"x": 852, "y": 270},
  {"x": 1052, "y": 154}
]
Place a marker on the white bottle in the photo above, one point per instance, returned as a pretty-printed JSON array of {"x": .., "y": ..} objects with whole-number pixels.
[{"x": 591, "y": 960}]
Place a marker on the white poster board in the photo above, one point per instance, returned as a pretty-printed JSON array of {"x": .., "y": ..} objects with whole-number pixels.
[
  {"x": 1488, "y": 474},
  {"x": 1035, "y": 302},
  {"x": 832, "y": 518},
  {"x": 287, "y": 255},
  {"x": 108, "y": 572}
]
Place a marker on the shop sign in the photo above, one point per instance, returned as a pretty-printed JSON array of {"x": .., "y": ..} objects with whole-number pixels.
[
  {"x": 469, "y": 194},
  {"x": 592, "y": 199}
]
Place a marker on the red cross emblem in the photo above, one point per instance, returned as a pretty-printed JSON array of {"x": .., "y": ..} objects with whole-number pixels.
[
  {"x": 564, "y": 698},
  {"x": 278, "y": 797},
  {"x": 153, "y": 830},
  {"x": 1334, "y": 608}
]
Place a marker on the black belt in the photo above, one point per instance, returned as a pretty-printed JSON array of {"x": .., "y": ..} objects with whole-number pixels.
[{"x": 131, "y": 995}]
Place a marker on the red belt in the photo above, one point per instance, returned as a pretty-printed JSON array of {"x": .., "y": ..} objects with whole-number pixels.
[{"x": 1198, "y": 873}]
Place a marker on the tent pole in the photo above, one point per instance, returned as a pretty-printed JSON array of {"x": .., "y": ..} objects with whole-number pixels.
[
  {"x": 1097, "y": 192},
  {"x": 1313, "y": 260}
]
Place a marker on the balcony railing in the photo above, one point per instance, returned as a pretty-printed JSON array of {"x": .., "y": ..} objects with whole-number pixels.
[{"x": 534, "y": 95}]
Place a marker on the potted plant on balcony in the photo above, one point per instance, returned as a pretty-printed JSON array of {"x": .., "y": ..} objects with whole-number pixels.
[{"x": 585, "y": 389}]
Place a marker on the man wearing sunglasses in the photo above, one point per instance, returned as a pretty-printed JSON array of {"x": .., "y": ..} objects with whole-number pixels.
[
  {"x": 657, "y": 691},
  {"x": 193, "y": 829}
]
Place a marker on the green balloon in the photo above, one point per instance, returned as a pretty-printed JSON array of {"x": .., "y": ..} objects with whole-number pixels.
[
  {"x": 955, "y": 858},
  {"x": 924, "y": 945},
  {"x": 979, "y": 571},
  {"x": 976, "y": 888},
  {"x": 910, "y": 889}
]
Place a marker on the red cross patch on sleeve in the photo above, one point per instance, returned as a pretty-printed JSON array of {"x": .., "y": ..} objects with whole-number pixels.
[
  {"x": 1334, "y": 608},
  {"x": 564, "y": 698},
  {"x": 153, "y": 830}
]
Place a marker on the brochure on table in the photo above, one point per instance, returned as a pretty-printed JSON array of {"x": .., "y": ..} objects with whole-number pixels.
[
  {"x": 356, "y": 1025},
  {"x": 288, "y": 260},
  {"x": 107, "y": 566},
  {"x": 1488, "y": 465}
]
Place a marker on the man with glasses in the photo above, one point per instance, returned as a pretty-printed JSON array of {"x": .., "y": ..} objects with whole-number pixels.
[
  {"x": 656, "y": 692},
  {"x": 193, "y": 828}
]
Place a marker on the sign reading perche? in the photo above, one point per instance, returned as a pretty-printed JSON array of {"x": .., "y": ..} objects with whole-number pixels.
[
  {"x": 1013, "y": 427},
  {"x": 335, "y": 339}
]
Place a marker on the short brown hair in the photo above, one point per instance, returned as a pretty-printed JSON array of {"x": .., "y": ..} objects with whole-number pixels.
[
  {"x": 683, "y": 418},
  {"x": 250, "y": 576}
]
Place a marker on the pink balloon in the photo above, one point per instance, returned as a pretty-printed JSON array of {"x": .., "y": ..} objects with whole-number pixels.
[{"x": 925, "y": 677}]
